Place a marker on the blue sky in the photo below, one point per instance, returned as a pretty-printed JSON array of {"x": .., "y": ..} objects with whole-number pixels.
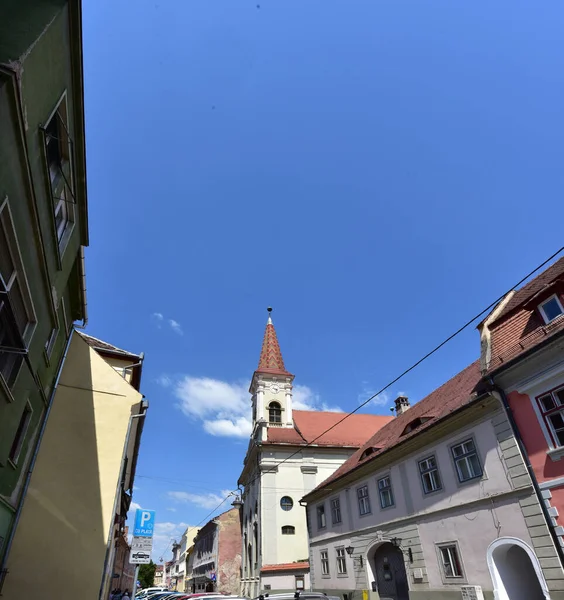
[{"x": 378, "y": 171}]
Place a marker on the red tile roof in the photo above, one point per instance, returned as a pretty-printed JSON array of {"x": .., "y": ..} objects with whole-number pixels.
[
  {"x": 101, "y": 345},
  {"x": 309, "y": 425},
  {"x": 452, "y": 395},
  {"x": 520, "y": 327},
  {"x": 297, "y": 566},
  {"x": 271, "y": 360},
  {"x": 533, "y": 287}
]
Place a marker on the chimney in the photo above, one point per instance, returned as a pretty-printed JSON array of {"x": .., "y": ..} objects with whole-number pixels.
[{"x": 402, "y": 404}]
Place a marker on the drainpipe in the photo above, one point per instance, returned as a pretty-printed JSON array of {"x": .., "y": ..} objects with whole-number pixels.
[
  {"x": 525, "y": 454},
  {"x": 142, "y": 414},
  {"x": 83, "y": 289},
  {"x": 34, "y": 456}
]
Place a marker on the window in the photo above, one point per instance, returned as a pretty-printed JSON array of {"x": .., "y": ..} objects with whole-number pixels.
[
  {"x": 50, "y": 343},
  {"x": 286, "y": 503},
  {"x": 341, "y": 562},
  {"x": 415, "y": 424},
  {"x": 450, "y": 561},
  {"x": 335, "y": 511},
  {"x": 466, "y": 461},
  {"x": 57, "y": 142},
  {"x": 385, "y": 491},
  {"x": 550, "y": 309},
  {"x": 300, "y": 585},
  {"x": 321, "y": 522},
  {"x": 274, "y": 413},
  {"x": 552, "y": 409},
  {"x": 21, "y": 432},
  {"x": 430, "y": 475},
  {"x": 363, "y": 500},
  {"x": 288, "y": 530},
  {"x": 17, "y": 318},
  {"x": 324, "y": 562}
]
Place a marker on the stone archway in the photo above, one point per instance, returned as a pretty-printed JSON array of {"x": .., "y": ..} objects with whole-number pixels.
[
  {"x": 387, "y": 573},
  {"x": 515, "y": 571}
]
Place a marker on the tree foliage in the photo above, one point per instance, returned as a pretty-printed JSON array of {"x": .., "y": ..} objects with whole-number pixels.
[{"x": 147, "y": 574}]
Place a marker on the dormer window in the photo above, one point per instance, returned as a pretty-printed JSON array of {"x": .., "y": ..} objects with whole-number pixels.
[
  {"x": 415, "y": 424},
  {"x": 550, "y": 309},
  {"x": 370, "y": 450},
  {"x": 274, "y": 412}
]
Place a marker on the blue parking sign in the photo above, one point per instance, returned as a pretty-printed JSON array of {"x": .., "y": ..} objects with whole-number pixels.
[{"x": 144, "y": 523}]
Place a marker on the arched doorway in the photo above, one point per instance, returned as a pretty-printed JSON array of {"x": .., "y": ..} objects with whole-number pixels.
[
  {"x": 515, "y": 571},
  {"x": 386, "y": 569}
]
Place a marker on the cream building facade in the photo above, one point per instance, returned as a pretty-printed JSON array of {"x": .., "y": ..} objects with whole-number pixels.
[
  {"x": 80, "y": 490},
  {"x": 287, "y": 457}
]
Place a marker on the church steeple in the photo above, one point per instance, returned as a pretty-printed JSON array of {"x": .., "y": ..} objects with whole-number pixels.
[
  {"x": 271, "y": 360},
  {"x": 271, "y": 386}
]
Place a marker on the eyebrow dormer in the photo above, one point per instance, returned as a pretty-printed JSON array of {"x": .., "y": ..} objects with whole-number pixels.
[{"x": 417, "y": 422}]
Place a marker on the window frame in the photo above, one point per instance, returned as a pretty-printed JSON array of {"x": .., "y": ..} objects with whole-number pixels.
[
  {"x": 291, "y": 505},
  {"x": 543, "y": 312},
  {"x": 271, "y": 408},
  {"x": 545, "y": 414},
  {"x": 21, "y": 435},
  {"x": 450, "y": 579},
  {"x": 388, "y": 488},
  {"x": 427, "y": 470},
  {"x": 336, "y": 509},
  {"x": 324, "y": 561},
  {"x": 290, "y": 527},
  {"x": 455, "y": 459},
  {"x": 367, "y": 498},
  {"x": 341, "y": 561},
  {"x": 321, "y": 516}
]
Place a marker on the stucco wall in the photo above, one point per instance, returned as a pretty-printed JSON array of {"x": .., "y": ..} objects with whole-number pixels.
[
  {"x": 282, "y": 581},
  {"x": 229, "y": 557},
  {"x": 68, "y": 512}
]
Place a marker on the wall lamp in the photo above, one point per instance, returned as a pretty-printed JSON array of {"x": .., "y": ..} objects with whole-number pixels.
[
  {"x": 396, "y": 543},
  {"x": 350, "y": 550}
]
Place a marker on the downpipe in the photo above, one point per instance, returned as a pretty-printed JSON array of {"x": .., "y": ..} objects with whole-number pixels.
[
  {"x": 529, "y": 467},
  {"x": 142, "y": 414},
  {"x": 34, "y": 456}
]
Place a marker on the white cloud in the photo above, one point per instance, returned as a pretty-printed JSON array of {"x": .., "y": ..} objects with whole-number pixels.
[
  {"x": 171, "y": 509},
  {"x": 209, "y": 500},
  {"x": 224, "y": 408},
  {"x": 175, "y": 326},
  {"x": 164, "y": 380},
  {"x": 304, "y": 398},
  {"x": 163, "y": 534},
  {"x": 133, "y": 507}
]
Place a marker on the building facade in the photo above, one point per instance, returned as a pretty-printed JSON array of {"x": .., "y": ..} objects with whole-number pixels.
[
  {"x": 43, "y": 228},
  {"x": 81, "y": 486},
  {"x": 523, "y": 356},
  {"x": 437, "y": 505},
  {"x": 216, "y": 562},
  {"x": 159, "y": 579},
  {"x": 287, "y": 457},
  {"x": 123, "y": 573}
]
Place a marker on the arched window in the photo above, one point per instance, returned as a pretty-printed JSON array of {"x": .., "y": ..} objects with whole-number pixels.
[
  {"x": 288, "y": 530},
  {"x": 274, "y": 412},
  {"x": 286, "y": 503}
]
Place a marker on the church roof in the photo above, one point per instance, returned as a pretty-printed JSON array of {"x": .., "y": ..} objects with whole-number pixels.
[
  {"x": 271, "y": 360},
  {"x": 309, "y": 425}
]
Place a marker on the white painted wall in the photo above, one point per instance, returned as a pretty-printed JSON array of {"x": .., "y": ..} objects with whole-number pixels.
[{"x": 283, "y": 581}]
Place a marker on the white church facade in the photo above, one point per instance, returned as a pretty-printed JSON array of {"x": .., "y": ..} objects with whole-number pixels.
[{"x": 288, "y": 456}]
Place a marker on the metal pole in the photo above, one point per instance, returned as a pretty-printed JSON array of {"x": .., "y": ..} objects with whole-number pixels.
[{"x": 134, "y": 589}]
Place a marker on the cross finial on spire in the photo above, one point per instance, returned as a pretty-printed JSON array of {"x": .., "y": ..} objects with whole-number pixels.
[{"x": 269, "y": 309}]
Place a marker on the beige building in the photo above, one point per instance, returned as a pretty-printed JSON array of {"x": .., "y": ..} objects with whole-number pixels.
[
  {"x": 437, "y": 504},
  {"x": 80, "y": 489}
]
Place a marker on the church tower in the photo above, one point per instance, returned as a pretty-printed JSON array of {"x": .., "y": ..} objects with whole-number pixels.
[{"x": 271, "y": 386}]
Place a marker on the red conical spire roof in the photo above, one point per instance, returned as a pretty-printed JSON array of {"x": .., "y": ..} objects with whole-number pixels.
[{"x": 271, "y": 360}]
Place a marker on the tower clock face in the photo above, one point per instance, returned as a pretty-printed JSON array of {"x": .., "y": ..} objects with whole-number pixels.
[{"x": 274, "y": 388}]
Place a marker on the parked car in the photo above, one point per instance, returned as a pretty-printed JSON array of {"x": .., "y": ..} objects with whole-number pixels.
[{"x": 298, "y": 595}]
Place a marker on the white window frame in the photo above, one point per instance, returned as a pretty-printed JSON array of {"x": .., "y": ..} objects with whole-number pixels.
[
  {"x": 543, "y": 313},
  {"x": 336, "y": 510},
  {"x": 546, "y": 414},
  {"x": 28, "y": 412},
  {"x": 363, "y": 500},
  {"x": 383, "y": 490},
  {"x": 426, "y": 471},
  {"x": 325, "y": 568},
  {"x": 321, "y": 516},
  {"x": 464, "y": 457},
  {"x": 341, "y": 557},
  {"x": 454, "y": 564}
]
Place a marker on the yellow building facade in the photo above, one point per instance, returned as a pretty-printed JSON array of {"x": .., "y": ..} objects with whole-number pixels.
[{"x": 81, "y": 486}]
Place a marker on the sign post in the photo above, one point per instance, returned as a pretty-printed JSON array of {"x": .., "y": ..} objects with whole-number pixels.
[{"x": 142, "y": 542}]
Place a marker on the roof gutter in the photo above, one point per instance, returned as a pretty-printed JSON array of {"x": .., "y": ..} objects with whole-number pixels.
[
  {"x": 509, "y": 414},
  {"x": 82, "y": 267}
]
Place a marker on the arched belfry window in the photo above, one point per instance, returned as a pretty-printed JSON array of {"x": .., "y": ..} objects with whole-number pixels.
[{"x": 274, "y": 412}]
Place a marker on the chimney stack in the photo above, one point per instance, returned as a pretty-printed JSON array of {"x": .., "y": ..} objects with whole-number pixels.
[{"x": 402, "y": 404}]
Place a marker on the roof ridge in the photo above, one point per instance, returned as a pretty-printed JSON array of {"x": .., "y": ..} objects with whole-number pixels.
[{"x": 111, "y": 348}]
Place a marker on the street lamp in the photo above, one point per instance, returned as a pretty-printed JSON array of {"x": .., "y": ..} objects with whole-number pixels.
[
  {"x": 396, "y": 543},
  {"x": 349, "y": 550}
]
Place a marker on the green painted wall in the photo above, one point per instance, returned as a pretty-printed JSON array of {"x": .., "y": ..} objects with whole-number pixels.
[{"x": 39, "y": 37}]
